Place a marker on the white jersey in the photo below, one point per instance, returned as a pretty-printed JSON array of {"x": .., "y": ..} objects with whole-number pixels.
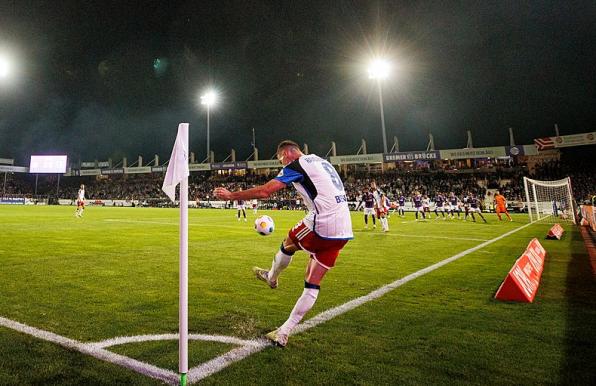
[
  {"x": 323, "y": 194},
  {"x": 385, "y": 202},
  {"x": 377, "y": 195},
  {"x": 81, "y": 195}
]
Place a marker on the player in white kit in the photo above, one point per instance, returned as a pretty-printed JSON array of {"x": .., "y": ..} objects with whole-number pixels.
[
  {"x": 380, "y": 206},
  {"x": 80, "y": 202},
  {"x": 322, "y": 233}
]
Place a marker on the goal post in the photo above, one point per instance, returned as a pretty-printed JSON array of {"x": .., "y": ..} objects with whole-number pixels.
[{"x": 549, "y": 201}]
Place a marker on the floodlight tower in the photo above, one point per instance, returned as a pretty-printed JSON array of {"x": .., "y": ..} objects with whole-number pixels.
[
  {"x": 208, "y": 99},
  {"x": 379, "y": 70}
]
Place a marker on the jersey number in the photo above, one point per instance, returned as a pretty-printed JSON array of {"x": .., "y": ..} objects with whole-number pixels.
[{"x": 333, "y": 174}]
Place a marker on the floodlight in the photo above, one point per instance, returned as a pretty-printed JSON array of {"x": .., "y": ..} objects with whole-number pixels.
[
  {"x": 209, "y": 98},
  {"x": 379, "y": 69}
]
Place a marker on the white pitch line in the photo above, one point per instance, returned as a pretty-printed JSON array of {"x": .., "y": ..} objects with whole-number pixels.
[
  {"x": 147, "y": 369},
  {"x": 148, "y": 338},
  {"x": 215, "y": 365},
  {"x": 420, "y": 236},
  {"x": 207, "y": 369}
]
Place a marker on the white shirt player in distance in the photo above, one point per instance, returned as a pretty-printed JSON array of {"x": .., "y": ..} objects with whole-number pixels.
[
  {"x": 322, "y": 233},
  {"x": 80, "y": 202}
]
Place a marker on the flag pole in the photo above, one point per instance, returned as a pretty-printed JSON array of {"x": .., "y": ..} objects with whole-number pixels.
[{"x": 183, "y": 297}]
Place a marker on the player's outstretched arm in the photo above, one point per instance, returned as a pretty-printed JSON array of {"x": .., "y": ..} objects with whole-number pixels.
[{"x": 261, "y": 191}]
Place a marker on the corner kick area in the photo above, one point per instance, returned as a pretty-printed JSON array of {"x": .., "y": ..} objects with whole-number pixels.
[{"x": 244, "y": 347}]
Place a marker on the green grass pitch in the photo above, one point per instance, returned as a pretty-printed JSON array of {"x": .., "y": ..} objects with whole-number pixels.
[{"x": 115, "y": 273}]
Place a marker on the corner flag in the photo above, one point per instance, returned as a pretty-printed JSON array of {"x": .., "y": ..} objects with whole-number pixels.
[
  {"x": 177, "y": 173},
  {"x": 178, "y": 165}
]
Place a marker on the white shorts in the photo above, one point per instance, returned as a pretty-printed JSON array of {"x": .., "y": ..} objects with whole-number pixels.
[
  {"x": 240, "y": 207},
  {"x": 453, "y": 208},
  {"x": 419, "y": 209},
  {"x": 368, "y": 211},
  {"x": 440, "y": 208},
  {"x": 475, "y": 210}
]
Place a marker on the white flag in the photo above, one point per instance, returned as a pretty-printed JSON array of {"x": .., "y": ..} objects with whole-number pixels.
[{"x": 178, "y": 166}]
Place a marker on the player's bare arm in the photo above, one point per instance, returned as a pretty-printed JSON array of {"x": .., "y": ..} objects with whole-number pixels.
[{"x": 261, "y": 191}]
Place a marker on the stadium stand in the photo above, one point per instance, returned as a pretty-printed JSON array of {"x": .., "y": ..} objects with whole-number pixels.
[{"x": 146, "y": 188}]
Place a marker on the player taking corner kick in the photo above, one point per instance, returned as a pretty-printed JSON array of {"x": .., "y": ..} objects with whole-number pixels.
[{"x": 322, "y": 233}]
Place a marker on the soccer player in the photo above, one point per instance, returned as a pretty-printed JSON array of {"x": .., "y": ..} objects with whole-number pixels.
[
  {"x": 255, "y": 206},
  {"x": 401, "y": 208},
  {"x": 241, "y": 207},
  {"x": 426, "y": 205},
  {"x": 466, "y": 204},
  {"x": 474, "y": 207},
  {"x": 439, "y": 206},
  {"x": 501, "y": 205},
  {"x": 322, "y": 233},
  {"x": 368, "y": 201},
  {"x": 380, "y": 206},
  {"x": 453, "y": 205},
  {"x": 80, "y": 201},
  {"x": 384, "y": 207},
  {"x": 417, "y": 199}
]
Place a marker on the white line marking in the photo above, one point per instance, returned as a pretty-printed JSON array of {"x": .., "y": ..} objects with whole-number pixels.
[
  {"x": 147, "y": 369},
  {"x": 147, "y": 338},
  {"x": 215, "y": 365},
  {"x": 420, "y": 236},
  {"x": 203, "y": 371}
]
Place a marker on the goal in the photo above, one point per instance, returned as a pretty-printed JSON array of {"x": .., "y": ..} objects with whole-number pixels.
[{"x": 549, "y": 201}]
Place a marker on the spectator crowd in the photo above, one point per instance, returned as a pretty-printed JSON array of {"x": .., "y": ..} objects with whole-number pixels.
[{"x": 147, "y": 187}]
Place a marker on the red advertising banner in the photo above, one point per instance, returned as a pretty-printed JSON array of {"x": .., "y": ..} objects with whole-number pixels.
[
  {"x": 556, "y": 232},
  {"x": 523, "y": 279},
  {"x": 589, "y": 216}
]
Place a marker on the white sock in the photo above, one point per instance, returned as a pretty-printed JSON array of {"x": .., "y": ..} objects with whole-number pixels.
[
  {"x": 280, "y": 262},
  {"x": 303, "y": 305}
]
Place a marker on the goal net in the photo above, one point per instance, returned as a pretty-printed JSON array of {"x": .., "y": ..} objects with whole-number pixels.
[{"x": 549, "y": 201}]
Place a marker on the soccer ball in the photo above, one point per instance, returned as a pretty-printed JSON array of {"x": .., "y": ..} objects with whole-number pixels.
[{"x": 264, "y": 225}]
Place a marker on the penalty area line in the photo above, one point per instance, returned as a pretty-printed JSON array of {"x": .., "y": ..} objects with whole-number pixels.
[{"x": 215, "y": 365}]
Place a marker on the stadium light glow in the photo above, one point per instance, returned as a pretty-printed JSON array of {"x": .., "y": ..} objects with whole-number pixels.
[
  {"x": 379, "y": 69},
  {"x": 209, "y": 98},
  {"x": 5, "y": 66}
]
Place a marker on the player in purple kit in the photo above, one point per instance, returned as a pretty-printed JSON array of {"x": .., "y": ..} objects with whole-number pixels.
[
  {"x": 440, "y": 205},
  {"x": 401, "y": 208},
  {"x": 241, "y": 207},
  {"x": 368, "y": 202},
  {"x": 417, "y": 198},
  {"x": 474, "y": 207},
  {"x": 453, "y": 205}
]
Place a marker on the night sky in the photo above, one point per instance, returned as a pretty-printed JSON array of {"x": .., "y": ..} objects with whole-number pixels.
[{"x": 112, "y": 79}]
